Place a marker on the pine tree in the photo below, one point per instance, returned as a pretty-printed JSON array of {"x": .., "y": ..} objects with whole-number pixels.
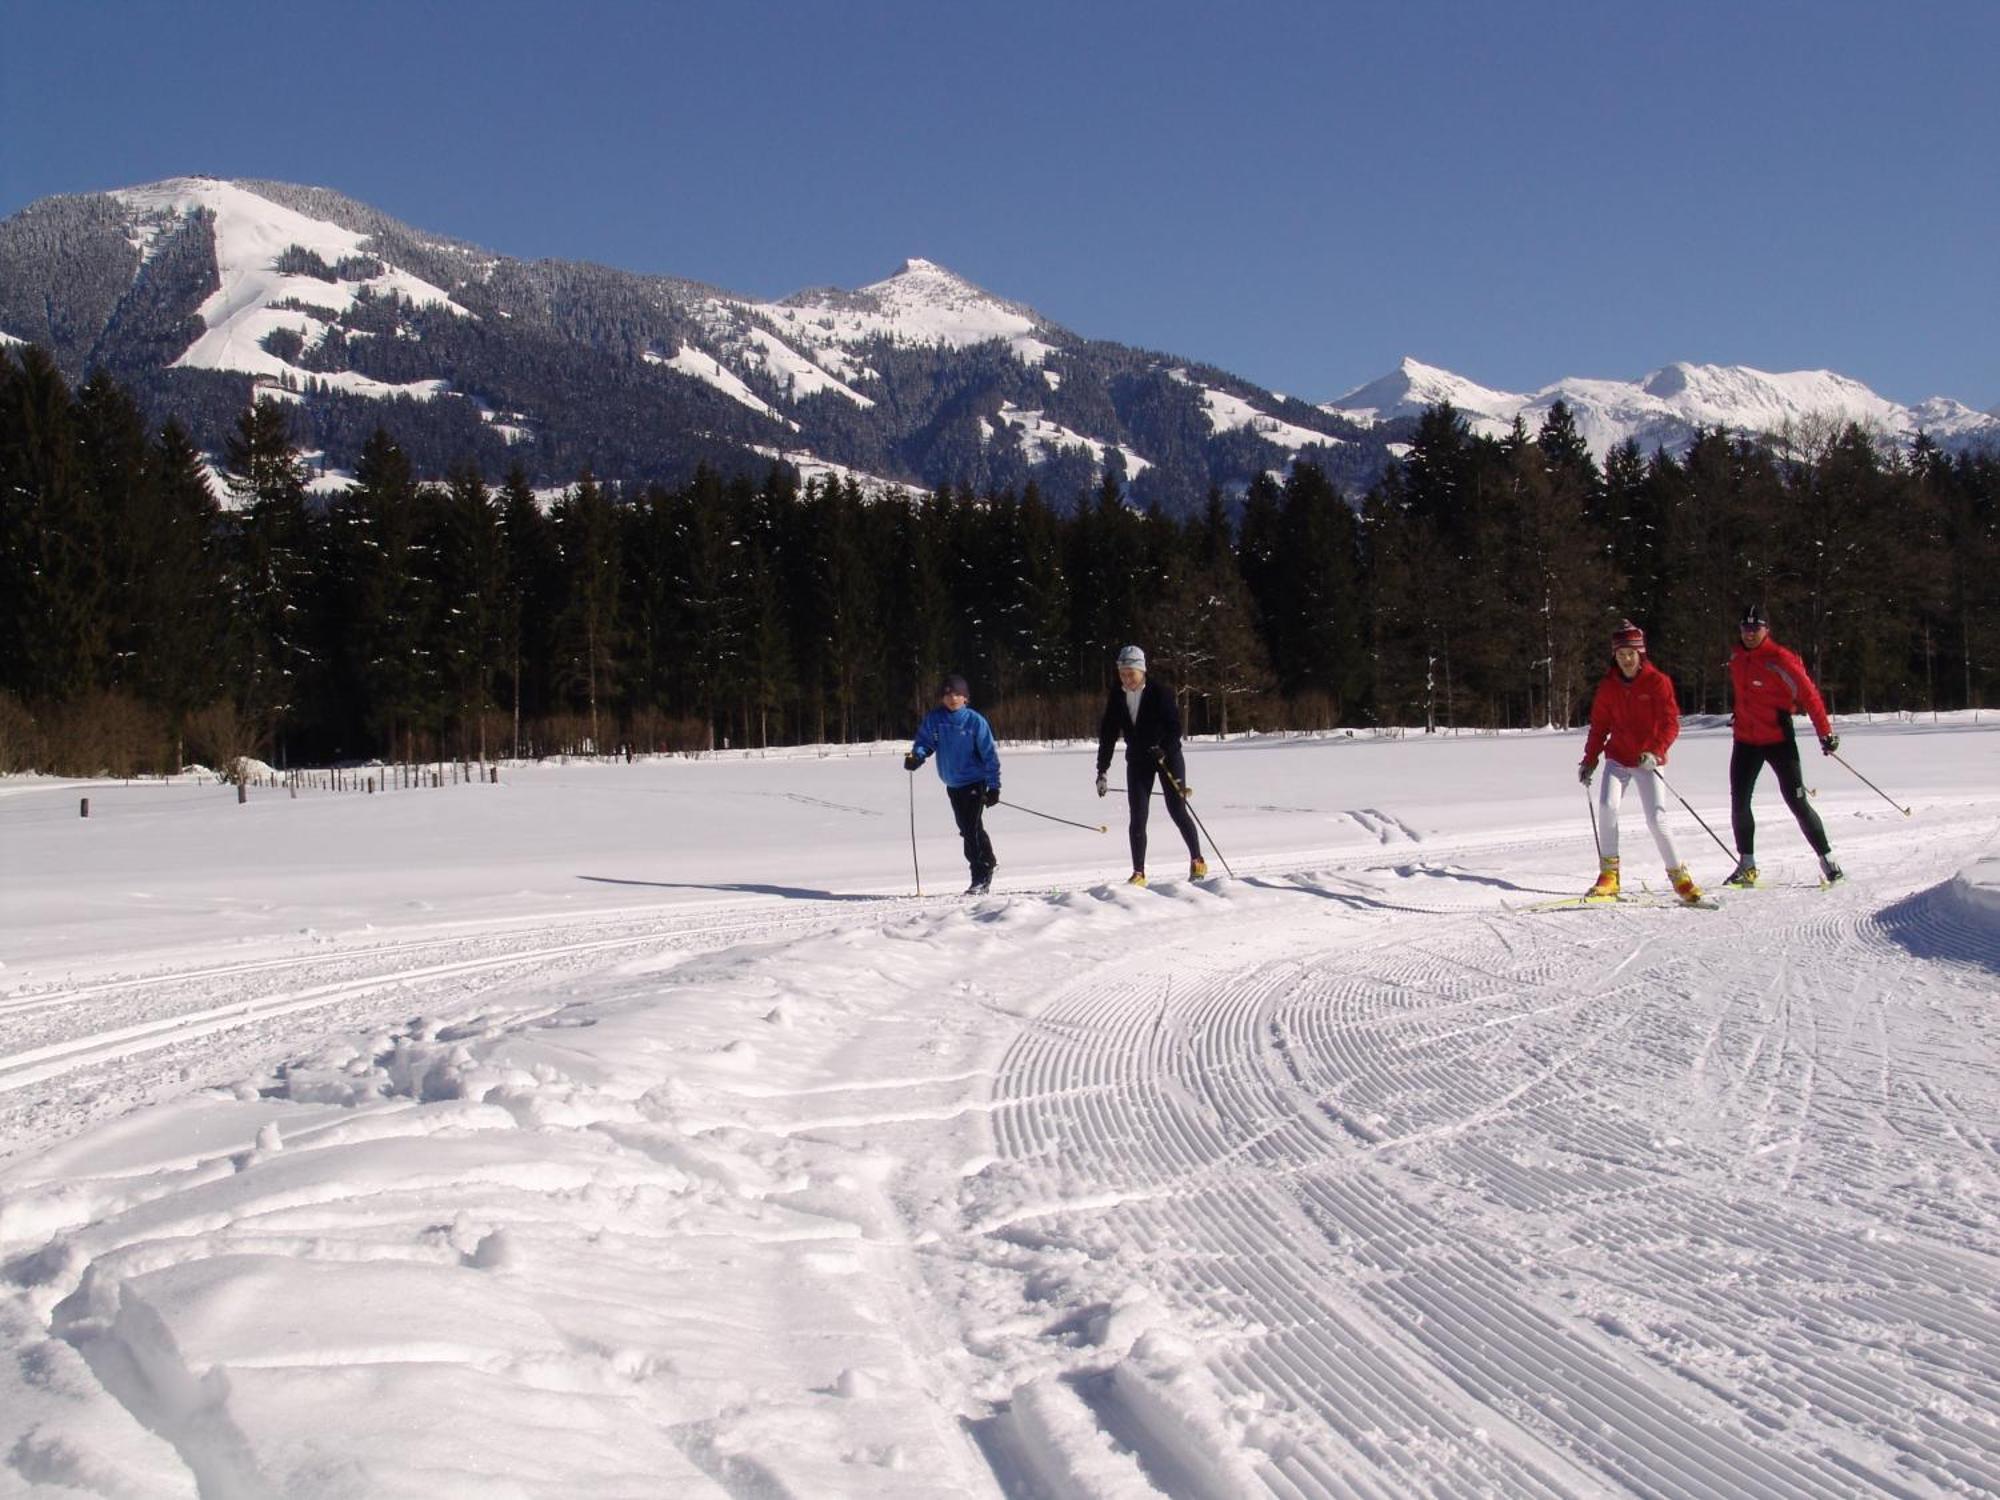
[
  {"x": 1230, "y": 661},
  {"x": 386, "y": 646},
  {"x": 180, "y": 596},
  {"x": 113, "y": 468},
  {"x": 528, "y": 603},
  {"x": 586, "y": 635},
  {"x": 468, "y": 565},
  {"x": 52, "y": 582},
  {"x": 1317, "y": 635},
  {"x": 273, "y": 566}
]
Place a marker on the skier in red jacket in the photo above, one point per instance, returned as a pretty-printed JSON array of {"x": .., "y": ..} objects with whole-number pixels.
[
  {"x": 1634, "y": 719},
  {"x": 1771, "y": 684}
]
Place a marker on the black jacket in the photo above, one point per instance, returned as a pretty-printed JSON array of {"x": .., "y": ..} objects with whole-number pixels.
[{"x": 1158, "y": 728}]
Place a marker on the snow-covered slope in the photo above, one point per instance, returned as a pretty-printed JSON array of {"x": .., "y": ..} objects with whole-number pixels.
[
  {"x": 1664, "y": 408},
  {"x": 256, "y": 299}
]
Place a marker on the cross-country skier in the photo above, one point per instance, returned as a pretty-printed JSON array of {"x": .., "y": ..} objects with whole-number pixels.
[
  {"x": 1634, "y": 719},
  {"x": 1146, "y": 716},
  {"x": 1770, "y": 684},
  {"x": 968, "y": 764}
]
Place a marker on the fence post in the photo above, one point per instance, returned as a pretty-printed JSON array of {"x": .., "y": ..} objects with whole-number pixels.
[
  {"x": 242, "y": 793},
  {"x": 85, "y": 812}
]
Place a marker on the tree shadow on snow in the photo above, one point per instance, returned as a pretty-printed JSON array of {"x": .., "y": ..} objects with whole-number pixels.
[{"x": 742, "y": 887}]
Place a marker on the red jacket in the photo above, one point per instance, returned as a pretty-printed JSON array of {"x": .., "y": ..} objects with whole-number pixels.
[
  {"x": 1770, "y": 682},
  {"x": 1634, "y": 716}
]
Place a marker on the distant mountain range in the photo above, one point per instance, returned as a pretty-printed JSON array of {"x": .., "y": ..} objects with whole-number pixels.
[
  {"x": 1664, "y": 409},
  {"x": 201, "y": 294}
]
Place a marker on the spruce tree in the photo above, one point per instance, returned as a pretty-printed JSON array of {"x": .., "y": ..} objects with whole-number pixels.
[
  {"x": 272, "y": 552},
  {"x": 586, "y": 636},
  {"x": 527, "y": 604},
  {"x": 52, "y": 579},
  {"x": 180, "y": 595}
]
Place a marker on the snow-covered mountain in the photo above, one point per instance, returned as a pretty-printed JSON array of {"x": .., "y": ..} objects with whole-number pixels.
[
  {"x": 205, "y": 293},
  {"x": 1665, "y": 408}
]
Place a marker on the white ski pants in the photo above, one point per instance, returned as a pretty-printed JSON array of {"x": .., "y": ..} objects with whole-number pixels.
[{"x": 1611, "y": 791}]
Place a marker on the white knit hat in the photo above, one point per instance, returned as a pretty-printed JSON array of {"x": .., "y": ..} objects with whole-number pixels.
[{"x": 1133, "y": 657}]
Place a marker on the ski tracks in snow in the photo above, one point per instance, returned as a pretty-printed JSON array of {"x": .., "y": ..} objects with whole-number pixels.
[{"x": 1423, "y": 1251}]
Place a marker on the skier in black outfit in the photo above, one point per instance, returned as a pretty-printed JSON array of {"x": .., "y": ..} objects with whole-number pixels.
[{"x": 1149, "y": 720}]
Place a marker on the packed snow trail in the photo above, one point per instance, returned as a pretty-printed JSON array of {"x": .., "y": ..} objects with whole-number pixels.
[
  {"x": 1348, "y": 1178},
  {"x": 1508, "y": 1208}
]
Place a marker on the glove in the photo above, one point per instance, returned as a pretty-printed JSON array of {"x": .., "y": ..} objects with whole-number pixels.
[
  {"x": 1828, "y": 743},
  {"x": 1187, "y": 792},
  {"x": 1649, "y": 762},
  {"x": 992, "y": 795},
  {"x": 1585, "y": 770},
  {"x": 1103, "y": 786},
  {"x": 912, "y": 761}
]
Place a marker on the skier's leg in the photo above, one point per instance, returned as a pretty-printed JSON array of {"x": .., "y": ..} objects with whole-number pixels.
[
  {"x": 1649, "y": 799},
  {"x": 1792, "y": 786},
  {"x": 1610, "y": 792},
  {"x": 1138, "y": 797},
  {"x": 1177, "y": 809},
  {"x": 966, "y": 809},
  {"x": 1745, "y": 761}
]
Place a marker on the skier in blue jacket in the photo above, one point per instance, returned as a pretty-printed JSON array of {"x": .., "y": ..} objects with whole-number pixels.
[{"x": 968, "y": 765}]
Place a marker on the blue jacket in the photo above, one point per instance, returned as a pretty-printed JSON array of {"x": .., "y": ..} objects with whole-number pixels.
[{"x": 962, "y": 741}]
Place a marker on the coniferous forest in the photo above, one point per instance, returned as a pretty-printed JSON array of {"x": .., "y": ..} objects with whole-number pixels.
[{"x": 147, "y": 620}]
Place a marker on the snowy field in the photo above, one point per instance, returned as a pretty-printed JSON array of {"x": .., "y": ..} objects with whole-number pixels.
[{"x": 637, "y": 1131}]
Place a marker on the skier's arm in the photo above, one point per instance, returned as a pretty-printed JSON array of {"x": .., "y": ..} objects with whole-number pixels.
[
  {"x": 1600, "y": 729},
  {"x": 1667, "y": 721},
  {"x": 1810, "y": 701},
  {"x": 989, "y": 754},
  {"x": 1107, "y": 734}
]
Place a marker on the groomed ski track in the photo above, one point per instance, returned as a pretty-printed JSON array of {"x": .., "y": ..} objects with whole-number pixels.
[
  {"x": 1338, "y": 1182},
  {"x": 1440, "y": 1255}
]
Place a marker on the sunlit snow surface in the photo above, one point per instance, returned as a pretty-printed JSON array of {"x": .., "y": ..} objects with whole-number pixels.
[{"x": 637, "y": 1131}]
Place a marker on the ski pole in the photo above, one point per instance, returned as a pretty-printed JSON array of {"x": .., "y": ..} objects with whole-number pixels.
[
  {"x": 1590, "y": 801},
  {"x": 1091, "y": 827},
  {"x": 1693, "y": 814},
  {"x": 1872, "y": 787},
  {"x": 1188, "y": 802},
  {"x": 913, "y": 834}
]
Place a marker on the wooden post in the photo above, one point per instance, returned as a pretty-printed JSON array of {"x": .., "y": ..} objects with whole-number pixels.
[
  {"x": 85, "y": 812},
  {"x": 242, "y": 793}
]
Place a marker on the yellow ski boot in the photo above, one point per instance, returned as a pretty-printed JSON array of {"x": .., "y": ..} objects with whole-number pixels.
[
  {"x": 1683, "y": 884},
  {"x": 1198, "y": 869},
  {"x": 1138, "y": 878},
  {"x": 1606, "y": 888}
]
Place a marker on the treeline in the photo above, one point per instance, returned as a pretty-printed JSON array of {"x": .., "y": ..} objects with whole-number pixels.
[{"x": 146, "y": 620}]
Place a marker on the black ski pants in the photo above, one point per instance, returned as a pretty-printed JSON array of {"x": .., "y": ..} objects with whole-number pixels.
[
  {"x": 968, "y": 806},
  {"x": 1139, "y": 778},
  {"x": 1745, "y": 762}
]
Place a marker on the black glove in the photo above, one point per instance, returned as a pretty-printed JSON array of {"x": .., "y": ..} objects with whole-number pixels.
[
  {"x": 912, "y": 761},
  {"x": 992, "y": 795},
  {"x": 1828, "y": 743},
  {"x": 1103, "y": 786},
  {"x": 1187, "y": 792},
  {"x": 1585, "y": 770}
]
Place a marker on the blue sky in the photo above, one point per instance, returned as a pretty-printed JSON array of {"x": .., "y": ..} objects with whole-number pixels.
[{"x": 1299, "y": 193}]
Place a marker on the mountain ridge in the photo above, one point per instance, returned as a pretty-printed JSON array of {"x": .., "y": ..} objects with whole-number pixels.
[
  {"x": 1666, "y": 406},
  {"x": 205, "y": 293}
]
